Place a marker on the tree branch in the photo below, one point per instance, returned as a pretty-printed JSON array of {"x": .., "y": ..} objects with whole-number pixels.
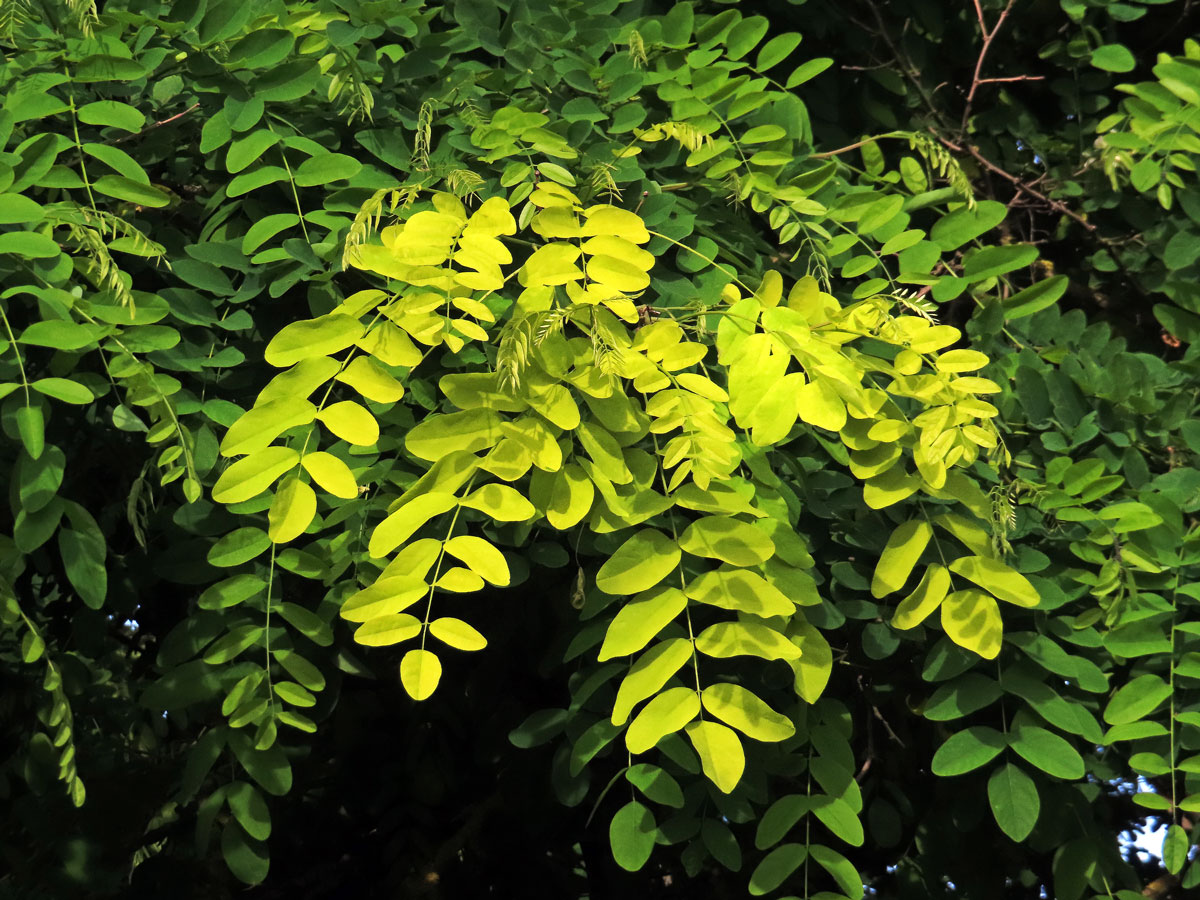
[
  {"x": 979, "y": 15},
  {"x": 1017, "y": 182},
  {"x": 988, "y": 37}
]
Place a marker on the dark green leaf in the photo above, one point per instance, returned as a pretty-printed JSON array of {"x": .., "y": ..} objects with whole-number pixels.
[{"x": 1014, "y": 800}]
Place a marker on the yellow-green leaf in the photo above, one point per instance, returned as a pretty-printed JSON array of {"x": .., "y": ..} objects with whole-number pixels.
[
  {"x": 745, "y": 639},
  {"x": 501, "y": 502},
  {"x": 383, "y": 631},
  {"x": 813, "y": 668},
  {"x": 934, "y": 338},
  {"x": 720, "y": 753},
  {"x": 457, "y": 633},
  {"x": 571, "y": 497},
  {"x": 817, "y": 403},
  {"x": 371, "y": 380},
  {"x": 971, "y": 619},
  {"x": 292, "y": 511},
  {"x": 896, "y": 563},
  {"x": 313, "y": 337},
  {"x": 665, "y": 714},
  {"x": 298, "y": 382},
  {"x": 728, "y": 539},
  {"x": 890, "y": 488},
  {"x": 415, "y": 559},
  {"x": 460, "y": 580},
  {"x": 647, "y": 676},
  {"x": 481, "y": 556},
  {"x": 403, "y": 523},
  {"x": 390, "y": 344},
  {"x": 440, "y": 435},
  {"x": 351, "y": 422},
  {"x": 954, "y": 361},
  {"x": 492, "y": 218},
  {"x": 924, "y": 599},
  {"x": 259, "y": 426},
  {"x": 387, "y": 596},
  {"x": 619, "y": 248},
  {"x": 616, "y": 221},
  {"x": 1000, "y": 580},
  {"x": 640, "y": 620},
  {"x": 331, "y": 474},
  {"x": 617, "y": 274},
  {"x": 605, "y": 452},
  {"x": 420, "y": 672},
  {"x": 740, "y": 590},
  {"x": 553, "y": 402},
  {"x": 736, "y": 706},
  {"x": 249, "y": 477},
  {"x": 535, "y": 439},
  {"x": 640, "y": 563},
  {"x": 551, "y": 264}
]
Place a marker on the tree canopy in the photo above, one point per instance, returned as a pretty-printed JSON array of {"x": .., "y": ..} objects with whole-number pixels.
[{"x": 599, "y": 449}]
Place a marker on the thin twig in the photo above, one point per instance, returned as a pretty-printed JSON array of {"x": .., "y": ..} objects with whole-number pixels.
[
  {"x": 905, "y": 63},
  {"x": 841, "y": 150},
  {"x": 979, "y": 14},
  {"x": 988, "y": 37},
  {"x": 1013, "y": 78},
  {"x": 1017, "y": 182},
  {"x": 159, "y": 124},
  {"x": 882, "y": 65},
  {"x": 886, "y": 726}
]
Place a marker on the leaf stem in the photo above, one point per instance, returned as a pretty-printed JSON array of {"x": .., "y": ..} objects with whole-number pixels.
[
  {"x": 16, "y": 350},
  {"x": 437, "y": 569}
]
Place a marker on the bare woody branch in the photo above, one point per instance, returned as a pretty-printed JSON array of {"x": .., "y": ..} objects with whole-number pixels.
[
  {"x": 1017, "y": 182},
  {"x": 988, "y": 37}
]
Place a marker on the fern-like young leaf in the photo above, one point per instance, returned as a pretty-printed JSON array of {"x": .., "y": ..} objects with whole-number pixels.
[
  {"x": 519, "y": 337},
  {"x": 1004, "y": 517},
  {"x": 421, "y": 141},
  {"x": 366, "y": 221},
  {"x": 941, "y": 161},
  {"x": 83, "y": 14},
  {"x": 601, "y": 184},
  {"x": 13, "y": 14},
  {"x": 637, "y": 50},
  {"x": 606, "y": 351},
  {"x": 463, "y": 183},
  {"x": 917, "y": 303},
  {"x": 98, "y": 265},
  {"x": 686, "y": 134},
  {"x": 348, "y": 86}
]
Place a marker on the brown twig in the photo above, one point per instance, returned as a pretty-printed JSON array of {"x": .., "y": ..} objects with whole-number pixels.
[
  {"x": 979, "y": 15},
  {"x": 1017, "y": 182},
  {"x": 886, "y": 727},
  {"x": 988, "y": 37},
  {"x": 881, "y": 65},
  {"x": 840, "y": 150},
  {"x": 159, "y": 124},
  {"x": 1013, "y": 78}
]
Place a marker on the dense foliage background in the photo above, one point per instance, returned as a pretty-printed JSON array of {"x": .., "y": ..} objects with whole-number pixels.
[{"x": 208, "y": 678}]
